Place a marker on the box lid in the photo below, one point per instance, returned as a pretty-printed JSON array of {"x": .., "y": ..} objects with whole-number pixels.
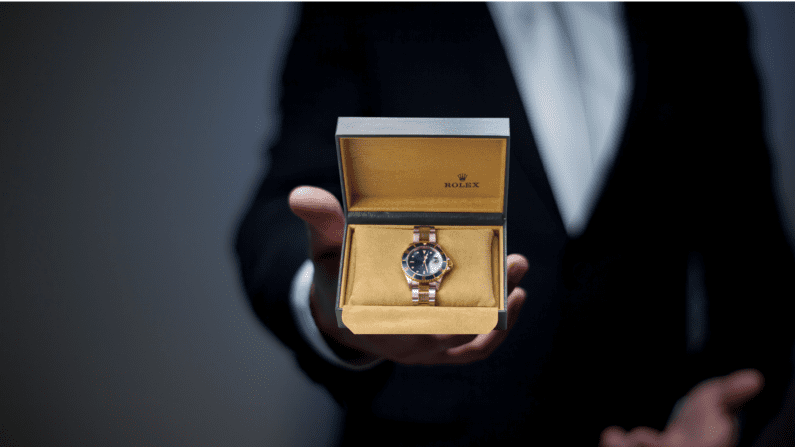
[{"x": 423, "y": 165}]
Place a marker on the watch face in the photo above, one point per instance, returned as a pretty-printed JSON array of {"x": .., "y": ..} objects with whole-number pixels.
[{"x": 424, "y": 262}]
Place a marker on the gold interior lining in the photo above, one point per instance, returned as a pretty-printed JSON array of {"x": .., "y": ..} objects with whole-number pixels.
[
  {"x": 424, "y": 174},
  {"x": 393, "y": 312},
  {"x": 378, "y": 280}
]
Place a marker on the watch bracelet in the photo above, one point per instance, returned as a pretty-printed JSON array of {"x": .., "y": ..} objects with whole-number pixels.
[{"x": 424, "y": 294}]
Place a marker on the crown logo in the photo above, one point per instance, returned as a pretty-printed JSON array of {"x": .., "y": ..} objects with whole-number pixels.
[{"x": 462, "y": 177}]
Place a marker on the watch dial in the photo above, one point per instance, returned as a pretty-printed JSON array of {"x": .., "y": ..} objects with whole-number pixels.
[{"x": 425, "y": 260}]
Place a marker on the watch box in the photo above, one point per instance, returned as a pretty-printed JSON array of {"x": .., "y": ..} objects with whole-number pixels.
[{"x": 450, "y": 174}]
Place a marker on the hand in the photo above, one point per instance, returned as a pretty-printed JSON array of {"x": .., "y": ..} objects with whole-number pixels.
[
  {"x": 323, "y": 215},
  {"x": 708, "y": 417}
]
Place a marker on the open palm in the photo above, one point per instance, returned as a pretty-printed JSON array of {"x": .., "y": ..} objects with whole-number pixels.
[
  {"x": 708, "y": 417},
  {"x": 323, "y": 215}
]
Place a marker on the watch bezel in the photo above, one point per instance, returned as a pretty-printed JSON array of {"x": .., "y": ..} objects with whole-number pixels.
[{"x": 446, "y": 262}]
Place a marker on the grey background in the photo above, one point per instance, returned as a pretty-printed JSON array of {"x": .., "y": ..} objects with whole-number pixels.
[{"x": 132, "y": 139}]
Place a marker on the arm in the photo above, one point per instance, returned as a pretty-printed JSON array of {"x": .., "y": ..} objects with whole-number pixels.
[
  {"x": 271, "y": 242},
  {"x": 748, "y": 262},
  {"x": 323, "y": 79},
  {"x": 734, "y": 228}
]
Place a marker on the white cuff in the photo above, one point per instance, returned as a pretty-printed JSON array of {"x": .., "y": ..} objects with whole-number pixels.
[{"x": 302, "y": 313}]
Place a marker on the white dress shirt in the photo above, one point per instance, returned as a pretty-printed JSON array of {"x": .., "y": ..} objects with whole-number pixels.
[{"x": 572, "y": 67}]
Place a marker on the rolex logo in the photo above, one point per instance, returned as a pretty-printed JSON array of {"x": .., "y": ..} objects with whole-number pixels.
[{"x": 462, "y": 184}]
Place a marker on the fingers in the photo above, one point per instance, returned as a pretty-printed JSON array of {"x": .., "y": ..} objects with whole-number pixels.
[
  {"x": 705, "y": 419},
  {"x": 613, "y": 437},
  {"x": 458, "y": 349},
  {"x": 323, "y": 214},
  {"x": 638, "y": 437},
  {"x": 726, "y": 393},
  {"x": 430, "y": 349},
  {"x": 739, "y": 387},
  {"x": 643, "y": 437},
  {"x": 451, "y": 341},
  {"x": 707, "y": 416},
  {"x": 483, "y": 345},
  {"x": 517, "y": 267},
  {"x": 515, "y": 302}
]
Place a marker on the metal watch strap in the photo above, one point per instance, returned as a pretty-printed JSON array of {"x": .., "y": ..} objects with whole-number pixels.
[
  {"x": 425, "y": 234},
  {"x": 424, "y": 293}
]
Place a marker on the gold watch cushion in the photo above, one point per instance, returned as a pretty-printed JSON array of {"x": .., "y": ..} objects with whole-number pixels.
[{"x": 375, "y": 276}]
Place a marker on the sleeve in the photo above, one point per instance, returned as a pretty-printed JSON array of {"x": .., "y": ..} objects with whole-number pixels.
[
  {"x": 302, "y": 314},
  {"x": 321, "y": 81},
  {"x": 748, "y": 263}
]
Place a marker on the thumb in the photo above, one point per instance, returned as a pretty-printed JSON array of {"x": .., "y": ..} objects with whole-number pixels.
[{"x": 323, "y": 215}]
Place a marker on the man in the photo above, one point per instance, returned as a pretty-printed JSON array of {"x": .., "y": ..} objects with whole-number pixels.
[{"x": 601, "y": 339}]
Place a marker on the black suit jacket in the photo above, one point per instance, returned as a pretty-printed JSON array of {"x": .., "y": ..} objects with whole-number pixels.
[{"x": 601, "y": 337}]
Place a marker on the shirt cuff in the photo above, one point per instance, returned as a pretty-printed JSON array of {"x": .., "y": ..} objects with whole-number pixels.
[{"x": 302, "y": 314}]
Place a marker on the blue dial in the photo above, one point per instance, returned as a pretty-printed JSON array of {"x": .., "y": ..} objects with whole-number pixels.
[{"x": 425, "y": 260}]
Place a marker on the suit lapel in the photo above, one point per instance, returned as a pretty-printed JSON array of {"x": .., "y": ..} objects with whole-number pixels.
[
  {"x": 525, "y": 159},
  {"x": 638, "y": 43}
]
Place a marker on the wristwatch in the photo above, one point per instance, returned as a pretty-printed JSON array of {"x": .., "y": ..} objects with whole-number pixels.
[{"x": 425, "y": 263}]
